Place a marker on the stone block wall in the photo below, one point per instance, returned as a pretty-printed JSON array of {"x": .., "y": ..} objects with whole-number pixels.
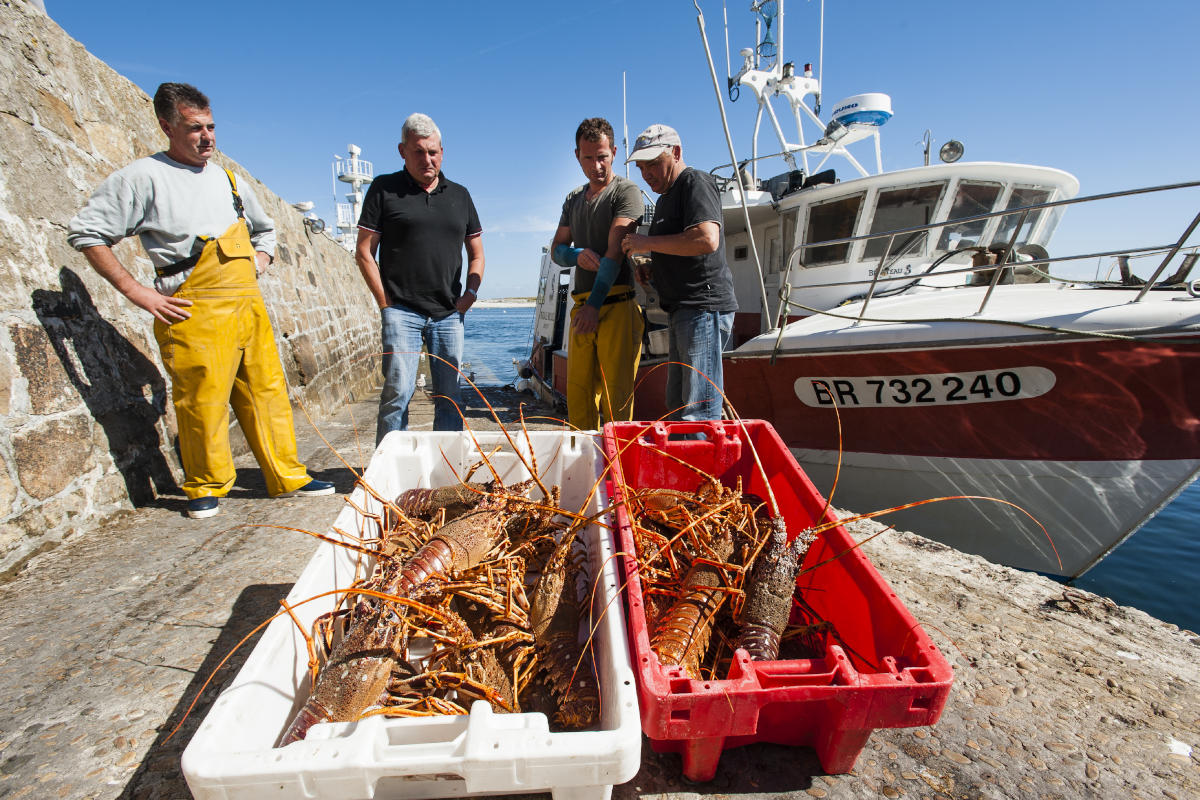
[{"x": 86, "y": 425}]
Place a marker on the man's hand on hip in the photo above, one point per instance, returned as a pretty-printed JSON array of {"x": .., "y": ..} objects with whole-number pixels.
[
  {"x": 464, "y": 302},
  {"x": 587, "y": 320},
  {"x": 165, "y": 308}
]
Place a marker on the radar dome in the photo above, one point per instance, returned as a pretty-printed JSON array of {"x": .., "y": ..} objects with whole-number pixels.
[{"x": 872, "y": 108}]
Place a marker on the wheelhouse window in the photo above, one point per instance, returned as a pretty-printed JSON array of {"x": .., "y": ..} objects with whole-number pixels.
[
  {"x": 833, "y": 220},
  {"x": 970, "y": 200},
  {"x": 1020, "y": 198},
  {"x": 789, "y": 235},
  {"x": 897, "y": 209}
]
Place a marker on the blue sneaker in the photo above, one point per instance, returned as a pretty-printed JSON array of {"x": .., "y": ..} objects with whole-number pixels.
[
  {"x": 315, "y": 488},
  {"x": 201, "y": 507}
]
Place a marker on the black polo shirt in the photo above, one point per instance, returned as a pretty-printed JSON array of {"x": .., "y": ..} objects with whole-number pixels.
[
  {"x": 421, "y": 236},
  {"x": 703, "y": 282}
]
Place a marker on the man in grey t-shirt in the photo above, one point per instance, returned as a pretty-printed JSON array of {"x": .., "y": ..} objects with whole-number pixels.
[{"x": 606, "y": 323}]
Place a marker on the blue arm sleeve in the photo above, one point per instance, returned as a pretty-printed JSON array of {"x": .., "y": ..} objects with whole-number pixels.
[
  {"x": 566, "y": 256},
  {"x": 604, "y": 281}
]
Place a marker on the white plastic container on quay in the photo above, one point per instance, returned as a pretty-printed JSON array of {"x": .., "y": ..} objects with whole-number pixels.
[{"x": 234, "y": 753}]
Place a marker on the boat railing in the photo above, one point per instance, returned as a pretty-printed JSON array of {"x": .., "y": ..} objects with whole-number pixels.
[
  {"x": 1008, "y": 250},
  {"x": 736, "y": 168}
]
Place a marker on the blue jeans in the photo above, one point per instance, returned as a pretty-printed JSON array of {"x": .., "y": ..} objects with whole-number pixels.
[
  {"x": 404, "y": 331},
  {"x": 696, "y": 337}
]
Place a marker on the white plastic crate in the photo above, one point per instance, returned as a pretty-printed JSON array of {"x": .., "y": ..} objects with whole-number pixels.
[{"x": 234, "y": 753}]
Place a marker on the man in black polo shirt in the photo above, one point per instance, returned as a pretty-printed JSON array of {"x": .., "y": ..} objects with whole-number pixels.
[
  {"x": 420, "y": 221},
  {"x": 687, "y": 263}
]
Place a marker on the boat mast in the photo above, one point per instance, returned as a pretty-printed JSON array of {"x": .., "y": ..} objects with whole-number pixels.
[{"x": 762, "y": 285}]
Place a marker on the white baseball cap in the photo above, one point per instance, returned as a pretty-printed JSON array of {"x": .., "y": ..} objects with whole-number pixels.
[{"x": 653, "y": 142}]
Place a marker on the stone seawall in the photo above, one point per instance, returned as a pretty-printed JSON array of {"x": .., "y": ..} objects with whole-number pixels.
[{"x": 86, "y": 425}]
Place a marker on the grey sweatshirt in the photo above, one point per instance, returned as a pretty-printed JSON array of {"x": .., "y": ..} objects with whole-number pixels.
[{"x": 167, "y": 205}]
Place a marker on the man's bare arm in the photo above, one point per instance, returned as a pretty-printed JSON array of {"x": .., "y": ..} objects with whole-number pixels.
[
  {"x": 621, "y": 227},
  {"x": 165, "y": 308},
  {"x": 474, "y": 273},
  {"x": 698, "y": 240},
  {"x": 584, "y": 258},
  {"x": 561, "y": 236},
  {"x": 364, "y": 256}
]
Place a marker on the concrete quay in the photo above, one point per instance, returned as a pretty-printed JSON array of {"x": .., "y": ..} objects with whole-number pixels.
[{"x": 105, "y": 641}]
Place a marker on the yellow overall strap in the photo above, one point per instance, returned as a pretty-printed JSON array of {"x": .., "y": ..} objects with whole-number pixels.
[
  {"x": 237, "y": 198},
  {"x": 188, "y": 263}
]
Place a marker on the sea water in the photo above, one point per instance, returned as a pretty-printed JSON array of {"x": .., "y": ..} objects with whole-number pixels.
[
  {"x": 492, "y": 339},
  {"x": 1157, "y": 569}
]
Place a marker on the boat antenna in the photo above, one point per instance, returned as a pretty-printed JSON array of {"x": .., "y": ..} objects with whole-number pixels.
[
  {"x": 762, "y": 285},
  {"x": 733, "y": 88},
  {"x": 624, "y": 125},
  {"x": 820, "y": 62},
  {"x": 779, "y": 45},
  {"x": 728, "y": 68}
]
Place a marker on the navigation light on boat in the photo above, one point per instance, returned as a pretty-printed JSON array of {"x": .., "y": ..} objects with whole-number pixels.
[{"x": 951, "y": 151}]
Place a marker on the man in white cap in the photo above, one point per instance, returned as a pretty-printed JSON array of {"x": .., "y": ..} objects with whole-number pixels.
[{"x": 686, "y": 243}]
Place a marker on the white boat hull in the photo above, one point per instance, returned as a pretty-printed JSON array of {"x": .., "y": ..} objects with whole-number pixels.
[{"x": 1086, "y": 507}]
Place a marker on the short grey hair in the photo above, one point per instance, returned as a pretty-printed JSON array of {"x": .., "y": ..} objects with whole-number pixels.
[{"x": 419, "y": 126}]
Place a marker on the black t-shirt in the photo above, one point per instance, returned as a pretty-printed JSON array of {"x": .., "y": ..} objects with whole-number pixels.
[
  {"x": 703, "y": 282},
  {"x": 421, "y": 236}
]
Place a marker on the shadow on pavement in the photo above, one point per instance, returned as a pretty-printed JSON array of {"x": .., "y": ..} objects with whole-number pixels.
[
  {"x": 766, "y": 770},
  {"x": 159, "y": 774}
]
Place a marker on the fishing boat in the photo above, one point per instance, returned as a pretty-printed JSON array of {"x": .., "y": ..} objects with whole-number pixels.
[{"x": 910, "y": 337}]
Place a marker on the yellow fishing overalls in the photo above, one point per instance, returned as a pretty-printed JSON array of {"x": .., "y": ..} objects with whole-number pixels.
[
  {"x": 601, "y": 365},
  {"x": 225, "y": 353}
]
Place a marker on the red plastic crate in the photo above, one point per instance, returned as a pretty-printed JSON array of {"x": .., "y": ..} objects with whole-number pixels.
[{"x": 889, "y": 674}]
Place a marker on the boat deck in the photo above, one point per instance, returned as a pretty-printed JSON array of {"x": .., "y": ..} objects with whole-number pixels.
[{"x": 1039, "y": 307}]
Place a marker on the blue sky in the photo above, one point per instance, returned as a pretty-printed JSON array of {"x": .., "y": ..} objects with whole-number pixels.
[{"x": 1105, "y": 90}]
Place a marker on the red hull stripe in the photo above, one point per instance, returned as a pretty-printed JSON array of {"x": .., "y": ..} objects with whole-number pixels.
[{"x": 1090, "y": 400}]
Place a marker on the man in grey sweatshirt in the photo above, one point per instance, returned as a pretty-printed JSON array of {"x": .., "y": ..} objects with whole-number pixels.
[{"x": 208, "y": 239}]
